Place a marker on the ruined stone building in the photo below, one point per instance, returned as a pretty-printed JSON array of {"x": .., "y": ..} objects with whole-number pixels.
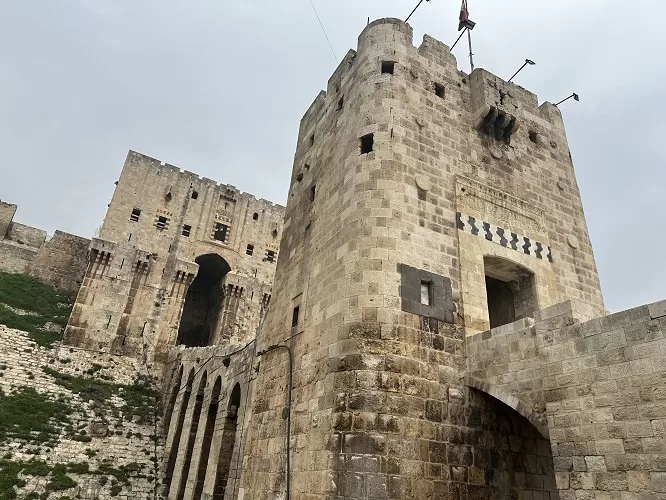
[{"x": 434, "y": 327}]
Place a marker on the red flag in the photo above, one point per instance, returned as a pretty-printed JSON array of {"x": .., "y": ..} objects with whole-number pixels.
[{"x": 464, "y": 15}]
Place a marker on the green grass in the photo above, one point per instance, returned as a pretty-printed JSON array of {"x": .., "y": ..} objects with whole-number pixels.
[
  {"x": 140, "y": 399},
  {"x": 44, "y": 301},
  {"x": 30, "y": 416}
]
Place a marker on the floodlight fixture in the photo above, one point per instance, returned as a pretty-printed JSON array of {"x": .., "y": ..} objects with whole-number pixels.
[{"x": 527, "y": 62}]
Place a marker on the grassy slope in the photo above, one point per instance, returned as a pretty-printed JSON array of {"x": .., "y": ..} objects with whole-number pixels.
[{"x": 47, "y": 304}]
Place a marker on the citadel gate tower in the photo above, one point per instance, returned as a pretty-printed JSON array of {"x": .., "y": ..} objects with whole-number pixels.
[{"x": 426, "y": 205}]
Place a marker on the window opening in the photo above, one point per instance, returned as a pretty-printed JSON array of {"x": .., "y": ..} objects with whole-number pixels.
[
  {"x": 440, "y": 90},
  {"x": 533, "y": 136},
  {"x": 367, "y": 143},
  {"x": 270, "y": 255},
  {"x": 249, "y": 250},
  {"x": 136, "y": 213},
  {"x": 313, "y": 192},
  {"x": 388, "y": 67},
  {"x": 195, "y": 195},
  {"x": 294, "y": 318},
  {"x": 510, "y": 291},
  {"x": 186, "y": 230},
  {"x": 426, "y": 293},
  {"x": 161, "y": 223},
  {"x": 341, "y": 103},
  {"x": 312, "y": 139},
  {"x": 221, "y": 232},
  {"x": 255, "y": 216}
]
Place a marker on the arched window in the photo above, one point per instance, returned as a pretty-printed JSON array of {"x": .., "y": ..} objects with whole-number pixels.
[
  {"x": 172, "y": 401},
  {"x": 255, "y": 216}
]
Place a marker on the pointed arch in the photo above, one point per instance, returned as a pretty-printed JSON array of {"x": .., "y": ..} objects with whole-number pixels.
[
  {"x": 510, "y": 400},
  {"x": 175, "y": 443},
  {"x": 227, "y": 445},
  {"x": 209, "y": 429},
  {"x": 194, "y": 427}
]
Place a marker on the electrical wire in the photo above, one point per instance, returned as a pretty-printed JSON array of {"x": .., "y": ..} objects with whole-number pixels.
[{"x": 322, "y": 28}]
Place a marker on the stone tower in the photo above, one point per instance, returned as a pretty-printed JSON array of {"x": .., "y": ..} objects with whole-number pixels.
[
  {"x": 426, "y": 205},
  {"x": 180, "y": 260}
]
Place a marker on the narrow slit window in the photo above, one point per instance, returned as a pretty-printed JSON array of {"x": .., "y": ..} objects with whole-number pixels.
[
  {"x": 440, "y": 90},
  {"x": 341, "y": 103},
  {"x": 388, "y": 67},
  {"x": 249, "y": 250},
  {"x": 136, "y": 213},
  {"x": 312, "y": 139},
  {"x": 161, "y": 223},
  {"x": 313, "y": 192},
  {"x": 186, "y": 230},
  {"x": 426, "y": 293},
  {"x": 294, "y": 318},
  {"x": 367, "y": 143}
]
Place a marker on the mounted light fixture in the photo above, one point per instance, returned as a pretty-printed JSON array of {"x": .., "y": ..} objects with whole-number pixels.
[
  {"x": 575, "y": 98},
  {"x": 527, "y": 62}
]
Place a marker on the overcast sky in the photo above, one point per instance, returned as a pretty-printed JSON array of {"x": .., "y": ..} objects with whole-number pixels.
[{"x": 218, "y": 87}]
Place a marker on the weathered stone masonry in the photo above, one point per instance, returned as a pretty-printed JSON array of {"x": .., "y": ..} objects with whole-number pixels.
[
  {"x": 179, "y": 260},
  {"x": 60, "y": 261}
]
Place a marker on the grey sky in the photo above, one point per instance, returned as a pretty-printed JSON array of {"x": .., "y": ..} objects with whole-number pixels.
[{"x": 218, "y": 88}]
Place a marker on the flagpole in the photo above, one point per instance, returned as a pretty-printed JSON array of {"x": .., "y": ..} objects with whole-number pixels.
[{"x": 471, "y": 54}]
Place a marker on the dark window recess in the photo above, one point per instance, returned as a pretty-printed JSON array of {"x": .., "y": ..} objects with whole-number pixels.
[
  {"x": 534, "y": 137},
  {"x": 136, "y": 213},
  {"x": 186, "y": 230},
  {"x": 294, "y": 318},
  {"x": 341, "y": 103},
  {"x": 426, "y": 293},
  {"x": 221, "y": 232},
  {"x": 255, "y": 216},
  {"x": 270, "y": 255},
  {"x": 161, "y": 222},
  {"x": 249, "y": 250},
  {"x": 195, "y": 195},
  {"x": 440, "y": 90},
  {"x": 501, "y": 306},
  {"x": 312, "y": 139},
  {"x": 388, "y": 67},
  {"x": 367, "y": 143},
  {"x": 313, "y": 192}
]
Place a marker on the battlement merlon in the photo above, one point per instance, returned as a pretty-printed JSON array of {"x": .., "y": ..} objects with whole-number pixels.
[
  {"x": 490, "y": 94},
  {"x": 136, "y": 159}
]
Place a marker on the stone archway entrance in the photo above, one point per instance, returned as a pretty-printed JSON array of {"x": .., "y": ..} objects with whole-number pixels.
[{"x": 203, "y": 302}]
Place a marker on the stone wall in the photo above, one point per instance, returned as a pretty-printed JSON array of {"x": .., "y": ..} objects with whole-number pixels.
[
  {"x": 597, "y": 386},
  {"x": 61, "y": 262},
  {"x": 105, "y": 435}
]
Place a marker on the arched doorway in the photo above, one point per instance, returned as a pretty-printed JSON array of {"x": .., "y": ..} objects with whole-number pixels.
[
  {"x": 203, "y": 302},
  {"x": 227, "y": 445},
  {"x": 510, "y": 291},
  {"x": 172, "y": 401},
  {"x": 513, "y": 458}
]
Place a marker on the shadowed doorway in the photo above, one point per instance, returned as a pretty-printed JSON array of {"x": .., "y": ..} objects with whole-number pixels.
[{"x": 203, "y": 302}]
